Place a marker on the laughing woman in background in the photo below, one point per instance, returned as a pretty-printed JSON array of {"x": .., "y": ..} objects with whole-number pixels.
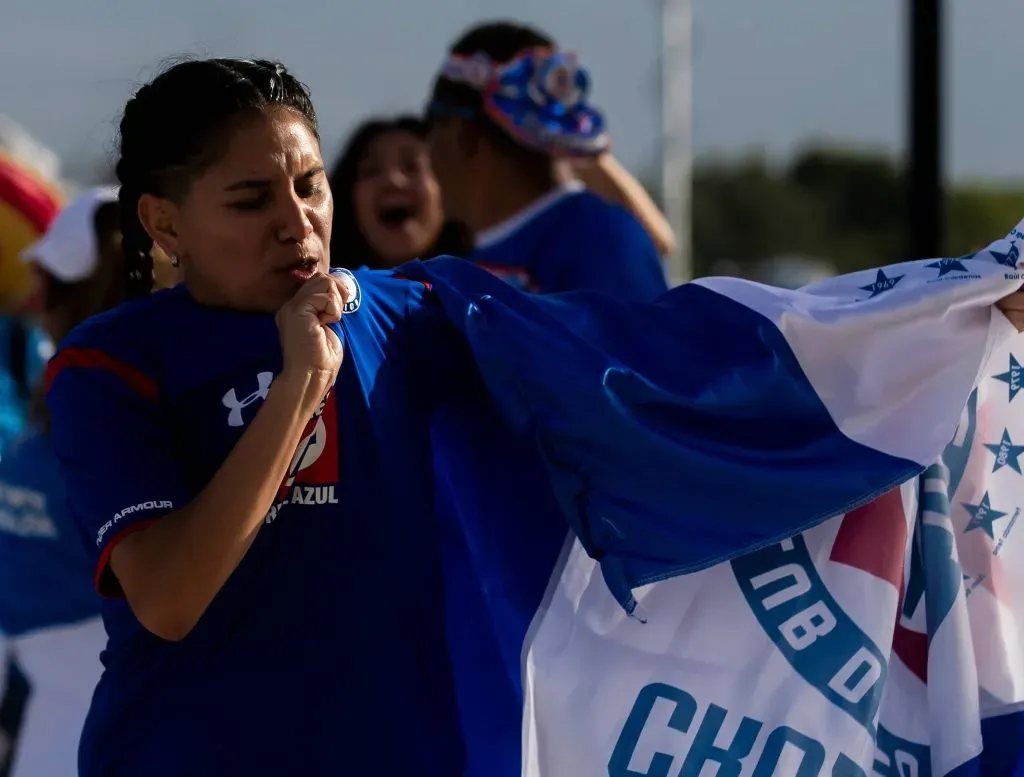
[{"x": 387, "y": 203}]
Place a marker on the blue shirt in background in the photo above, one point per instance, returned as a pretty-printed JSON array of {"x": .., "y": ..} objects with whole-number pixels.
[{"x": 570, "y": 240}]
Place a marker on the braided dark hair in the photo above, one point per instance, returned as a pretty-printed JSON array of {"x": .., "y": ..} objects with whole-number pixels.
[{"x": 177, "y": 125}]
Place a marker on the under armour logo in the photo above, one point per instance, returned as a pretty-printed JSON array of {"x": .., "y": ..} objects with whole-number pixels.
[{"x": 236, "y": 406}]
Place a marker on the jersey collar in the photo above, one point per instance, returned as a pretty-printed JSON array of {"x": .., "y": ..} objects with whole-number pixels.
[{"x": 517, "y": 221}]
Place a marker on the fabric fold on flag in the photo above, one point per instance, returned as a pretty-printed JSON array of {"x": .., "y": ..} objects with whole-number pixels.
[
  {"x": 772, "y": 410},
  {"x": 889, "y": 640},
  {"x": 886, "y": 638}
]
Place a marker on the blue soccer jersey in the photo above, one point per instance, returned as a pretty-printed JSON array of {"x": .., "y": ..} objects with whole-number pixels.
[
  {"x": 324, "y": 653},
  {"x": 569, "y": 240}
]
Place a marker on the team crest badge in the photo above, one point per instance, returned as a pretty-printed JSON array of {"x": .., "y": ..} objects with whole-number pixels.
[{"x": 355, "y": 296}]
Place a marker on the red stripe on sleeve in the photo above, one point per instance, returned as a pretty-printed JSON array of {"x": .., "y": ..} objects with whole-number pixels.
[
  {"x": 106, "y": 585},
  {"x": 97, "y": 359}
]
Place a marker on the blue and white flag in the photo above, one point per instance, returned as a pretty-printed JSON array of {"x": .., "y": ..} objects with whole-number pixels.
[{"x": 756, "y": 579}]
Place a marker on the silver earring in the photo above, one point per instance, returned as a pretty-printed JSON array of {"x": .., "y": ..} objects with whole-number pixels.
[{"x": 174, "y": 260}]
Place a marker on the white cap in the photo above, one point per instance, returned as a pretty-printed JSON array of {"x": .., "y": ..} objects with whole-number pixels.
[{"x": 69, "y": 249}]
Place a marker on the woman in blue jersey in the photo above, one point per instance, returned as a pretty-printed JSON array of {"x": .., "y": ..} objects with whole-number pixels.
[
  {"x": 49, "y": 613},
  {"x": 238, "y": 512},
  {"x": 513, "y": 140},
  {"x": 252, "y": 472}
]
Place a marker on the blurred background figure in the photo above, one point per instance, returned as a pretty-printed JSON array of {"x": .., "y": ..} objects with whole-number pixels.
[
  {"x": 49, "y": 612},
  {"x": 506, "y": 111},
  {"x": 604, "y": 175},
  {"x": 387, "y": 202},
  {"x": 388, "y": 205},
  {"x": 29, "y": 200},
  {"x": 28, "y": 205},
  {"x": 17, "y": 143}
]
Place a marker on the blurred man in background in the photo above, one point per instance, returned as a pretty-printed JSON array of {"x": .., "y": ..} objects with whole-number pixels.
[{"x": 510, "y": 128}]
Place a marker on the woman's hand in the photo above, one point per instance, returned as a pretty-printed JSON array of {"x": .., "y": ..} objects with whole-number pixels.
[{"x": 311, "y": 351}]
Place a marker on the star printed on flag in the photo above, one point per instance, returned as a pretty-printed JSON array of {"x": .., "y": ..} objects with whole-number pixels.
[
  {"x": 1007, "y": 454},
  {"x": 1009, "y": 258},
  {"x": 982, "y": 516},
  {"x": 946, "y": 266},
  {"x": 1012, "y": 377},
  {"x": 882, "y": 284}
]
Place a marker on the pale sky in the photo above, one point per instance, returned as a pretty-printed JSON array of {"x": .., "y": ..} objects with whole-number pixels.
[{"x": 767, "y": 75}]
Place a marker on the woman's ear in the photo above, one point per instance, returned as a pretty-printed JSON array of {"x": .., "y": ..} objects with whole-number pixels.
[
  {"x": 158, "y": 217},
  {"x": 165, "y": 274}
]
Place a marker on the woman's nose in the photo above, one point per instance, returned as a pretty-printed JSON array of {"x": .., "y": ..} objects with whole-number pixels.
[
  {"x": 295, "y": 223},
  {"x": 396, "y": 177}
]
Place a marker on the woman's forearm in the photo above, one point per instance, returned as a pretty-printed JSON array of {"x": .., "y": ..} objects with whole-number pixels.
[{"x": 171, "y": 571}]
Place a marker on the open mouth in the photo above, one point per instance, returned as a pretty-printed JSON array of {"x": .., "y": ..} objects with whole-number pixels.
[
  {"x": 302, "y": 271},
  {"x": 396, "y": 216}
]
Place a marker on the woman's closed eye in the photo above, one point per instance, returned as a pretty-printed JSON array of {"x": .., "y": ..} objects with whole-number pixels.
[
  {"x": 306, "y": 191},
  {"x": 252, "y": 203},
  {"x": 310, "y": 191}
]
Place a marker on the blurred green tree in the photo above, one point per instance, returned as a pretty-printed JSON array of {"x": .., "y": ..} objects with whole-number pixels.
[{"x": 844, "y": 206}]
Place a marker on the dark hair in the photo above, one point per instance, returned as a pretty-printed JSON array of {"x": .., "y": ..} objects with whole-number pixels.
[
  {"x": 178, "y": 125},
  {"x": 500, "y": 42},
  {"x": 349, "y": 247}
]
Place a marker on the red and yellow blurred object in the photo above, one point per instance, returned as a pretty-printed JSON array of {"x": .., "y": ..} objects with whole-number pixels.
[{"x": 28, "y": 205}]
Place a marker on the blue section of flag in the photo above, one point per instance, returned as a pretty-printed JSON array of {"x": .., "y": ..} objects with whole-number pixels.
[
  {"x": 617, "y": 395},
  {"x": 614, "y": 396},
  {"x": 1003, "y": 756},
  {"x": 499, "y": 546}
]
